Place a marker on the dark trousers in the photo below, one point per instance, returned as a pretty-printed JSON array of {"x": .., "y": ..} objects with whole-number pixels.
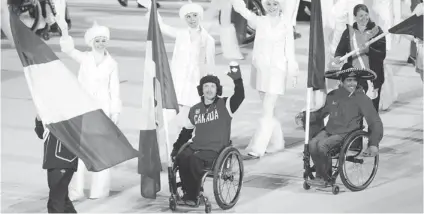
[
  {"x": 319, "y": 148},
  {"x": 376, "y": 101},
  {"x": 58, "y": 180},
  {"x": 192, "y": 165}
]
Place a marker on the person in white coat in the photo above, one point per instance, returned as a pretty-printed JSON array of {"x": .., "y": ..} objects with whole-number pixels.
[
  {"x": 273, "y": 66},
  {"x": 193, "y": 56},
  {"x": 98, "y": 75}
]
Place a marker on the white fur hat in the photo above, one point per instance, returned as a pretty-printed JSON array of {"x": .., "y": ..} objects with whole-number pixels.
[
  {"x": 96, "y": 31},
  {"x": 279, "y": 1},
  {"x": 191, "y": 8}
]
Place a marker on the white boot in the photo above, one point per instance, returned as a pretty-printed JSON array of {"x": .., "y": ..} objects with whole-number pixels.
[
  {"x": 100, "y": 184},
  {"x": 229, "y": 42},
  {"x": 277, "y": 142}
]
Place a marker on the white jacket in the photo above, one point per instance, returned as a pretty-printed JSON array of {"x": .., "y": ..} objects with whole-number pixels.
[
  {"x": 273, "y": 52},
  {"x": 191, "y": 60},
  {"x": 101, "y": 82}
]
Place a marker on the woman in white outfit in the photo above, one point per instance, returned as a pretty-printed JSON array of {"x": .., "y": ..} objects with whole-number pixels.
[
  {"x": 193, "y": 56},
  {"x": 273, "y": 66},
  {"x": 98, "y": 74}
]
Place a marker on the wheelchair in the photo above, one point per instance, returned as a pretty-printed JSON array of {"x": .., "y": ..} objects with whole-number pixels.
[
  {"x": 224, "y": 178},
  {"x": 343, "y": 156},
  {"x": 32, "y": 11}
]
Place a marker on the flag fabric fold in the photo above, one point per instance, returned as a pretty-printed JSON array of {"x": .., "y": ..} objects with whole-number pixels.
[
  {"x": 316, "y": 60},
  {"x": 158, "y": 95},
  {"x": 65, "y": 108},
  {"x": 411, "y": 26},
  {"x": 316, "y": 63}
]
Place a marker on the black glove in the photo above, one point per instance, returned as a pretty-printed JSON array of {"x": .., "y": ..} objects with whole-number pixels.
[
  {"x": 174, "y": 153},
  {"x": 39, "y": 128},
  {"x": 235, "y": 72}
]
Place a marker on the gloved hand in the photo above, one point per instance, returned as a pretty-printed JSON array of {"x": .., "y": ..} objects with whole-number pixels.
[
  {"x": 115, "y": 118},
  {"x": 174, "y": 153},
  {"x": 39, "y": 128},
  {"x": 371, "y": 151},
  {"x": 235, "y": 72}
]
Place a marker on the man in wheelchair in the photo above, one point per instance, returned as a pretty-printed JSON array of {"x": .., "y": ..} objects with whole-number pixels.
[
  {"x": 211, "y": 121},
  {"x": 346, "y": 107}
]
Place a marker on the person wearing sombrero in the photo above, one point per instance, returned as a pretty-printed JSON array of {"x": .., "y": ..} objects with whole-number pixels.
[
  {"x": 346, "y": 107},
  {"x": 98, "y": 75}
]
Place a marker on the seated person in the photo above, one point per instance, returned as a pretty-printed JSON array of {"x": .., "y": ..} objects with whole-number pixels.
[
  {"x": 211, "y": 119},
  {"x": 346, "y": 107}
]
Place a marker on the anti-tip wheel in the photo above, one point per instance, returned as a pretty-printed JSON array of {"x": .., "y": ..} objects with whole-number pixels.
[
  {"x": 46, "y": 36},
  {"x": 172, "y": 203},
  {"x": 306, "y": 186},
  {"x": 208, "y": 208},
  {"x": 336, "y": 189}
]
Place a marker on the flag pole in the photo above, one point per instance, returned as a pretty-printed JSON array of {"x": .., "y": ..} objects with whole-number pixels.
[
  {"x": 165, "y": 127},
  {"x": 366, "y": 44},
  {"x": 308, "y": 114}
]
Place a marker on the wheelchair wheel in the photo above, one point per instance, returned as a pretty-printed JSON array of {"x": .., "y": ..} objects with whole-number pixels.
[
  {"x": 172, "y": 203},
  {"x": 228, "y": 178},
  {"x": 29, "y": 13},
  {"x": 350, "y": 158}
]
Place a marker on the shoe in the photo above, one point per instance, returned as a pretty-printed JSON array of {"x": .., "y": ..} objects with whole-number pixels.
[
  {"x": 411, "y": 60},
  {"x": 123, "y": 3},
  {"x": 317, "y": 182},
  {"x": 189, "y": 201},
  {"x": 252, "y": 154}
]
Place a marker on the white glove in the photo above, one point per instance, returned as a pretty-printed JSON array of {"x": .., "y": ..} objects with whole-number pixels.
[
  {"x": 63, "y": 27},
  {"x": 418, "y": 9},
  {"x": 115, "y": 118}
]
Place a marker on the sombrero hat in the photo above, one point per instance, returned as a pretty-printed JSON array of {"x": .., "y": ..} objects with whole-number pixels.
[{"x": 349, "y": 71}]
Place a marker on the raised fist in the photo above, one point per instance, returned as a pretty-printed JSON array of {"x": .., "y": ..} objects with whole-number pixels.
[{"x": 235, "y": 72}]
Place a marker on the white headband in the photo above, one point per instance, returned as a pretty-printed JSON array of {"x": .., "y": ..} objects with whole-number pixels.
[{"x": 191, "y": 8}]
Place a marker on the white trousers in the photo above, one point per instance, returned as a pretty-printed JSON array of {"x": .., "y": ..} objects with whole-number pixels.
[
  {"x": 269, "y": 136},
  {"x": 5, "y": 21},
  {"x": 99, "y": 187}
]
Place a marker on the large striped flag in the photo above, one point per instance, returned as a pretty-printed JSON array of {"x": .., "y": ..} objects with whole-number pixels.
[
  {"x": 158, "y": 94},
  {"x": 316, "y": 60},
  {"x": 411, "y": 26},
  {"x": 65, "y": 108}
]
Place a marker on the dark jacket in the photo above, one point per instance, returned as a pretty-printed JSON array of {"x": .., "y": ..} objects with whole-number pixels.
[
  {"x": 346, "y": 111},
  {"x": 56, "y": 155},
  {"x": 376, "y": 54}
]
